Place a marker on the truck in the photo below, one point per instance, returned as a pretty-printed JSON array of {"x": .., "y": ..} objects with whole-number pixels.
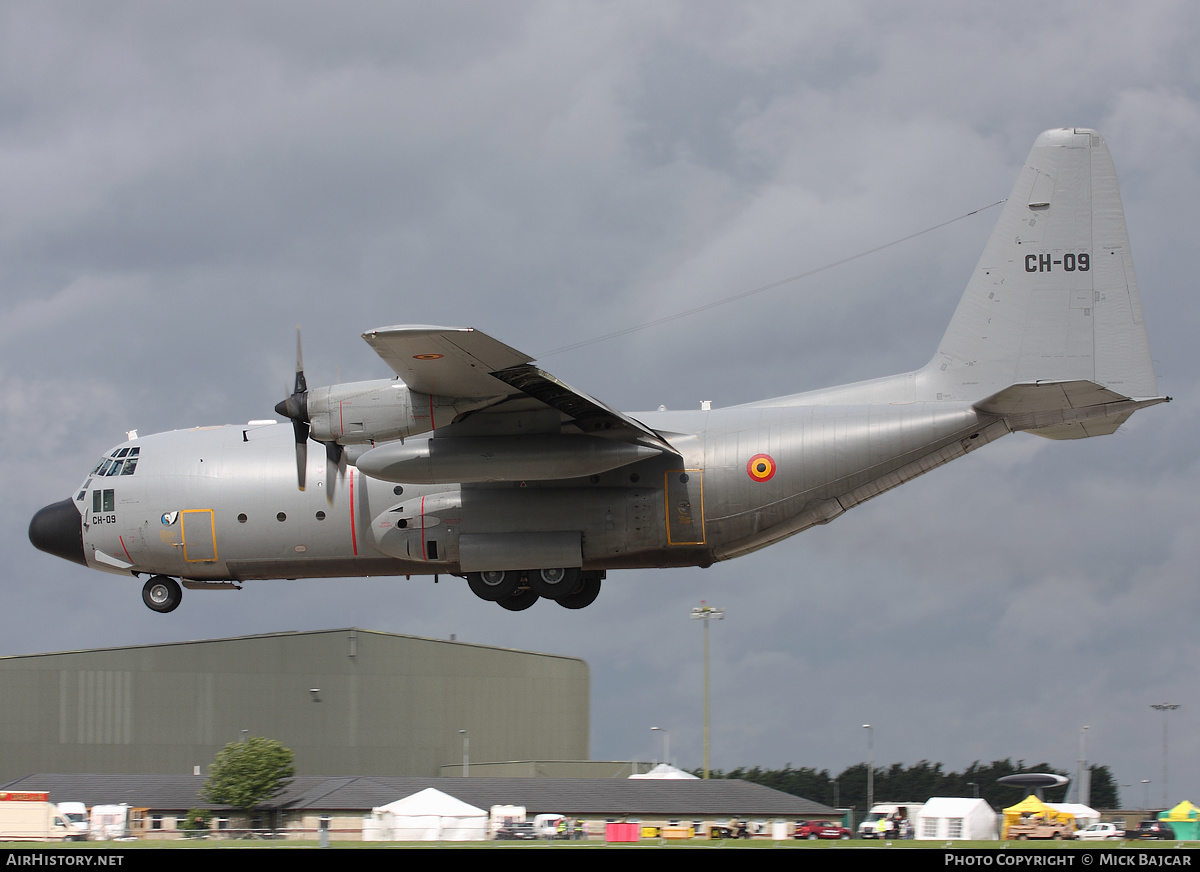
[
  {"x": 902, "y": 814},
  {"x": 1042, "y": 826},
  {"x": 27, "y": 816},
  {"x": 76, "y": 814}
]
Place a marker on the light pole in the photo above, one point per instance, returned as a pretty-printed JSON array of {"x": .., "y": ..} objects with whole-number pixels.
[
  {"x": 1083, "y": 787},
  {"x": 466, "y": 753},
  {"x": 1146, "y": 793},
  {"x": 705, "y": 612},
  {"x": 666, "y": 742},
  {"x": 1165, "y": 708},
  {"x": 870, "y": 767}
]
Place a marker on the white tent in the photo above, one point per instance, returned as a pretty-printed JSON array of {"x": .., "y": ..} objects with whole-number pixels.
[
  {"x": 1084, "y": 815},
  {"x": 426, "y": 816},
  {"x": 665, "y": 770},
  {"x": 947, "y": 818}
]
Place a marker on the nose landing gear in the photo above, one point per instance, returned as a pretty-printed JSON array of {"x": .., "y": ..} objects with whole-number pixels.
[{"x": 162, "y": 594}]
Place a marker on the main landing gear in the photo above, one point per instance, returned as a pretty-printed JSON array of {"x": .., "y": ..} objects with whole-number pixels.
[
  {"x": 162, "y": 594},
  {"x": 517, "y": 590}
]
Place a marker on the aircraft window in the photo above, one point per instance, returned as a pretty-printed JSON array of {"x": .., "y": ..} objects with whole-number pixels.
[
  {"x": 130, "y": 466},
  {"x": 281, "y": 517},
  {"x": 242, "y": 518},
  {"x": 95, "y": 501},
  {"x": 634, "y": 477},
  {"x": 397, "y": 490},
  {"x": 122, "y": 452},
  {"x": 104, "y": 467},
  {"x": 104, "y": 501},
  {"x": 115, "y": 469},
  {"x": 96, "y": 468},
  {"x": 320, "y": 516}
]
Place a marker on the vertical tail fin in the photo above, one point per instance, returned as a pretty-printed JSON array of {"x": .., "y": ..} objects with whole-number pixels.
[{"x": 1054, "y": 297}]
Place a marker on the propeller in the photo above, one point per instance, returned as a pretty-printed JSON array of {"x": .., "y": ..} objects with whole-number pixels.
[{"x": 295, "y": 408}]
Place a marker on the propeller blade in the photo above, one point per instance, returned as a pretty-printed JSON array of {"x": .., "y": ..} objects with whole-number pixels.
[
  {"x": 295, "y": 408},
  {"x": 301, "y": 384},
  {"x": 301, "y": 430},
  {"x": 335, "y": 465}
]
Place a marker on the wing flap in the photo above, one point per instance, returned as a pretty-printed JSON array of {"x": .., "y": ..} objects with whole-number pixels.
[{"x": 590, "y": 415}]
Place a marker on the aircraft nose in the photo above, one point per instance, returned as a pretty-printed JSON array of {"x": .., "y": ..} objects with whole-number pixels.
[{"x": 58, "y": 529}]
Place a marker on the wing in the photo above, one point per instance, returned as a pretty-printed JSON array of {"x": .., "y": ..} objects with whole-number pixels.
[
  {"x": 462, "y": 362},
  {"x": 446, "y": 361}
]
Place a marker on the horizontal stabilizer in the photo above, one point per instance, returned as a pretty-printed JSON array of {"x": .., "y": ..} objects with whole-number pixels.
[{"x": 1063, "y": 410}]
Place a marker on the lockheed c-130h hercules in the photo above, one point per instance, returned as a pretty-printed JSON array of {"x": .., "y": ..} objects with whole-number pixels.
[{"x": 473, "y": 462}]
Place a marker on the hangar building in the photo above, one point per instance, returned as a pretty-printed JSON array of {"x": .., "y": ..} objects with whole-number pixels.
[{"x": 347, "y": 702}]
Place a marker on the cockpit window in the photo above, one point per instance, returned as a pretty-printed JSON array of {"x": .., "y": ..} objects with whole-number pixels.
[{"x": 121, "y": 462}]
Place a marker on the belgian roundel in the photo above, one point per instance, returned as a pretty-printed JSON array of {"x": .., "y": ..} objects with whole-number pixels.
[{"x": 761, "y": 467}]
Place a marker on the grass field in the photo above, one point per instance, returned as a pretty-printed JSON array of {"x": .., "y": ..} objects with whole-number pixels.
[{"x": 691, "y": 844}]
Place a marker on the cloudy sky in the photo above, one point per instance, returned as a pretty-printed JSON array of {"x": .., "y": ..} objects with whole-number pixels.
[{"x": 182, "y": 184}]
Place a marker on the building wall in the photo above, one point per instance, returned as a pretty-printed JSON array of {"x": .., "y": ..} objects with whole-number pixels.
[{"x": 385, "y": 704}]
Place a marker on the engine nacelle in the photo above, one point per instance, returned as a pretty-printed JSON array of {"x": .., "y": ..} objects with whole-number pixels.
[
  {"x": 538, "y": 457},
  {"x": 379, "y": 411}
]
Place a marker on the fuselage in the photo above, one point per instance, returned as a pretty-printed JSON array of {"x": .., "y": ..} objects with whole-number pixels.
[{"x": 222, "y": 503}]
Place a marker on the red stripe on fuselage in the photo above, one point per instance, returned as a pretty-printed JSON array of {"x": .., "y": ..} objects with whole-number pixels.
[{"x": 353, "y": 532}]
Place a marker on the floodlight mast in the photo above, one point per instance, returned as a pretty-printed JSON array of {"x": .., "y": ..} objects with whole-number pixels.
[
  {"x": 704, "y": 612},
  {"x": 1166, "y": 708}
]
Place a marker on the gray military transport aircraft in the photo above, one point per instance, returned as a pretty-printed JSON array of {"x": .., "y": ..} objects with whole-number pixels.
[{"x": 472, "y": 462}]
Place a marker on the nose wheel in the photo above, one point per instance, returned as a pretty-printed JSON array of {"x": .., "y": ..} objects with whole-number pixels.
[{"x": 162, "y": 594}]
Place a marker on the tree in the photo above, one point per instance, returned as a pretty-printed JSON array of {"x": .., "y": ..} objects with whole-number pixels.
[{"x": 248, "y": 773}]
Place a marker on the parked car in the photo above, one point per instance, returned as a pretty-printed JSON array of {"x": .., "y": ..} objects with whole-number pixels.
[
  {"x": 1151, "y": 830},
  {"x": 1099, "y": 832},
  {"x": 520, "y": 831},
  {"x": 822, "y": 830}
]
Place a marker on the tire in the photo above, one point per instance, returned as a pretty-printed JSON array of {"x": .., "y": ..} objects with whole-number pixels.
[
  {"x": 554, "y": 583},
  {"x": 586, "y": 595},
  {"x": 493, "y": 585},
  {"x": 162, "y": 594},
  {"x": 519, "y": 601}
]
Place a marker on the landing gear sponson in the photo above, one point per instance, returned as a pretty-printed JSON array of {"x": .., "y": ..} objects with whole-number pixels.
[{"x": 518, "y": 589}]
